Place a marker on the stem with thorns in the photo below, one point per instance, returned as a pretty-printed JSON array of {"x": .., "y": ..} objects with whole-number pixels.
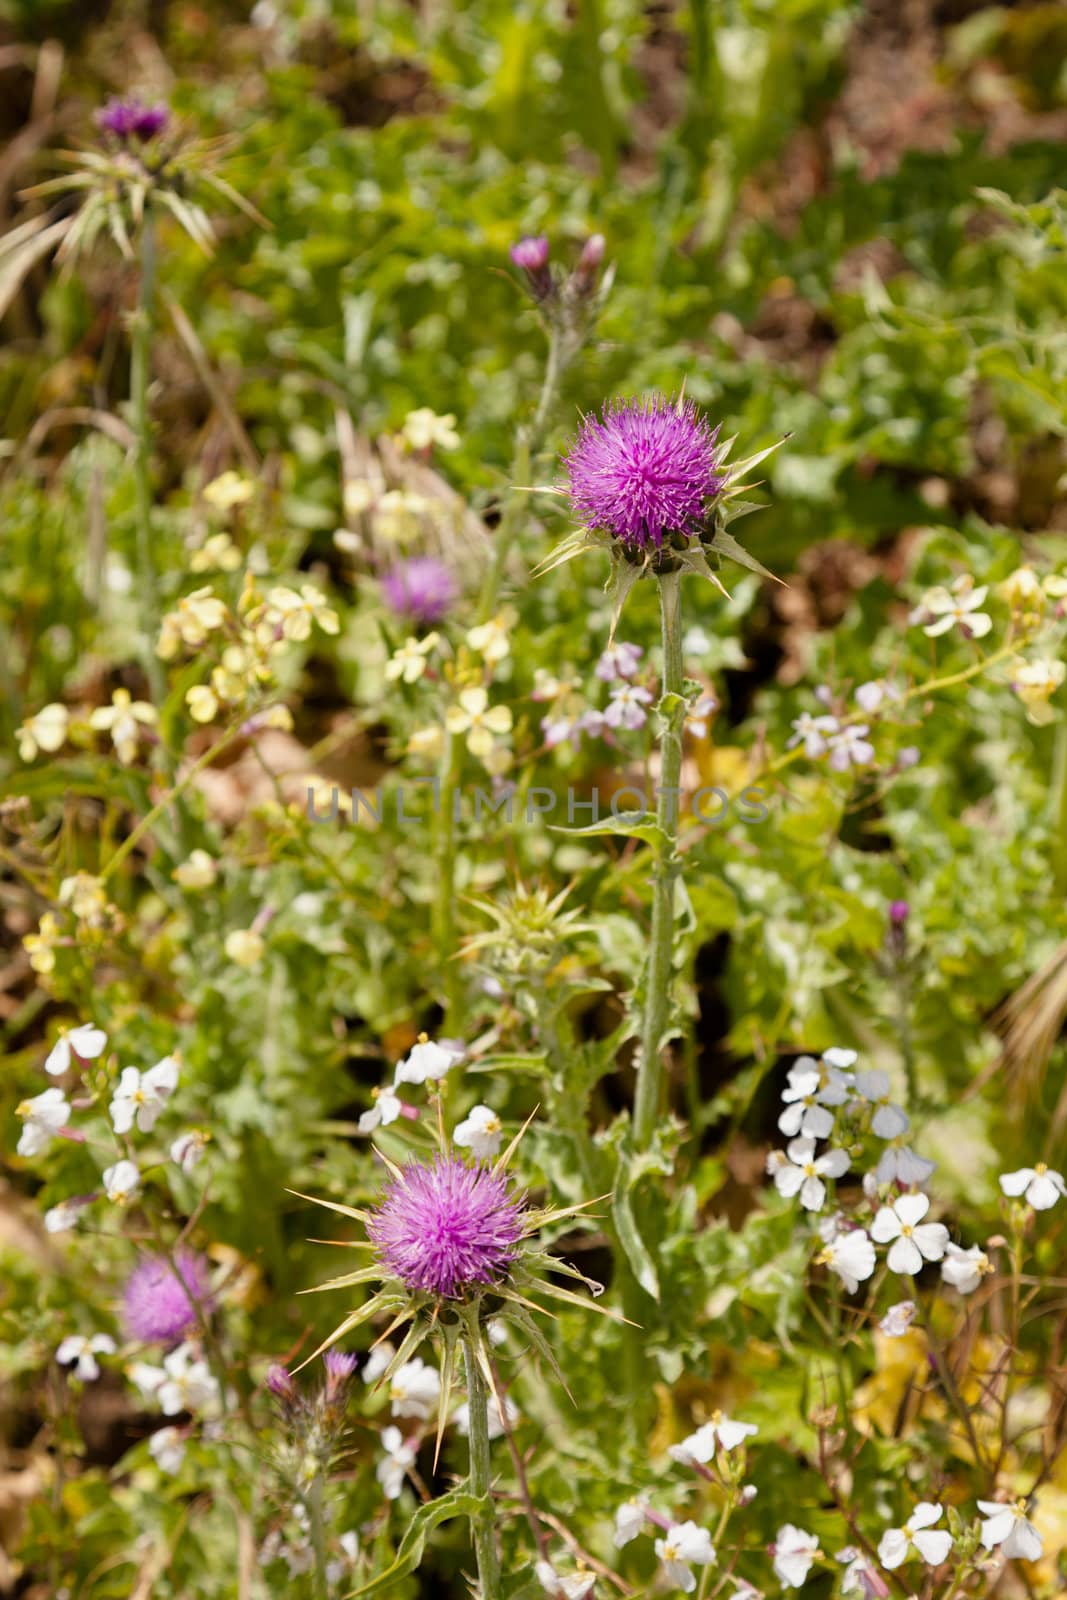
[
  {"x": 483, "y": 1522},
  {"x": 657, "y": 1005}
]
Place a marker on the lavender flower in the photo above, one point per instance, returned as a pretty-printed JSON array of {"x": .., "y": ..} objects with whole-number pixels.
[
  {"x": 132, "y": 119},
  {"x": 340, "y": 1366},
  {"x": 447, "y": 1228},
  {"x": 644, "y": 469},
  {"x": 421, "y": 589},
  {"x": 161, "y": 1298},
  {"x": 279, "y": 1381},
  {"x": 589, "y": 263}
]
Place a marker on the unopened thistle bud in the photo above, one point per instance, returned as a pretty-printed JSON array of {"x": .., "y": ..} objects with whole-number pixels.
[
  {"x": 589, "y": 264},
  {"x": 130, "y": 119},
  {"x": 531, "y": 254}
]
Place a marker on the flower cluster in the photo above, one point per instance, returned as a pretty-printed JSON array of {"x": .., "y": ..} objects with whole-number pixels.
[{"x": 248, "y": 642}]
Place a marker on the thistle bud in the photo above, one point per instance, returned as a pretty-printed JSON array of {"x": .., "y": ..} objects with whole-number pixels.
[{"x": 531, "y": 254}]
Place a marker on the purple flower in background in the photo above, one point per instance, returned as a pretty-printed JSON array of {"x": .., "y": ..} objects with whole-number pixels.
[
  {"x": 422, "y": 589},
  {"x": 280, "y": 1382},
  {"x": 531, "y": 254},
  {"x": 161, "y": 1298},
  {"x": 645, "y": 469},
  {"x": 132, "y": 119},
  {"x": 850, "y": 747},
  {"x": 340, "y": 1366},
  {"x": 898, "y": 912},
  {"x": 619, "y": 661},
  {"x": 589, "y": 262},
  {"x": 626, "y": 706},
  {"x": 445, "y": 1228}
]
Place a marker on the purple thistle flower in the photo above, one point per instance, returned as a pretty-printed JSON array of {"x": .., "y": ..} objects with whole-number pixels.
[
  {"x": 161, "y": 1298},
  {"x": 898, "y": 912},
  {"x": 132, "y": 119},
  {"x": 280, "y": 1382},
  {"x": 422, "y": 589},
  {"x": 589, "y": 263},
  {"x": 339, "y": 1368},
  {"x": 531, "y": 254},
  {"x": 646, "y": 468},
  {"x": 447, "y": 1227}
]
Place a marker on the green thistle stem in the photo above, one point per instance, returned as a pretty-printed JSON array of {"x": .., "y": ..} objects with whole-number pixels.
[
  {"x": 317, "y": 1529},
  {"x": 661, "y": 952},
  {"x": 527, "y": 445},
  {"x": 140, "y": 367},
  {"x": 483, "y": 1522},
  {"x": 444, "y": 904}
]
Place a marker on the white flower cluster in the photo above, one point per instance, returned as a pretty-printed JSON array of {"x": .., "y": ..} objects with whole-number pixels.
[
  {"x": 843, "y": 735},
  {"x": 685, "y": 1545},
  {"x": 481, "y": 1131},
  {"x": 426, "y": 1062},
  {"x": 414, "y": 1393},
  {"x": 137, "y": 1102}
]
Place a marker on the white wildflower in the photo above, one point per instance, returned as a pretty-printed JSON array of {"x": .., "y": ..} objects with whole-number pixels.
[
  {"x": 918, "y": 1533},
  {"x": 794, "y": 1552},
  {"x": 965, "y": 1269},
  {"x": 121, "y": 1182},
  {"x": 84, "y": 1042},
  {"x": 141, "y": 1096},
  {"x": 481, "y": 1133},
  {"x": 914, "y": 1241},
  {"x": 803, "y": 1172},
  {"x": 719, "y": 1433},
  {"x": 42, "y": 1116},
  {"x": 1008, "y": 1527},
  {"x": 684, "y": 1542},
  {"x": 393, "y": 1468},
  {"x": 888, "y": 1121},
  {"x": 80, "y": 1354},
  {"x": 1040, "y": 1186}
]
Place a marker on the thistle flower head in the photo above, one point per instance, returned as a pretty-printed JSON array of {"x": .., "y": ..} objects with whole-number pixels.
[
  {"x": 340, "y": 1365},
  {"x": 130, "y": 118},
  {"x": 448, "y": 1228},
  {"x": 163, "y": 1300},
  {"x": 531, "y": 253},
  {"x": 279, "y": 1381},
  {"x": 643, "y": 469},
  {"x": 455, "y": 1245},
  {"x": 421, "y": 589}
]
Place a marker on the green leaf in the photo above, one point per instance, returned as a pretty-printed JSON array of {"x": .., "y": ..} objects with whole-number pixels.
[
  {"x": 726, "y": 545},
  {"x": 628, "y": 824},
  {"x": 409, "y": 1555}
]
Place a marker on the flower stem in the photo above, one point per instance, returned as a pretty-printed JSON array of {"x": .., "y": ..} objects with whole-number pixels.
[
  {"x": 657, "y": 1005},
  {"x": 527, "y": 444},
  {"x": 317, "y": 1528},
  {"x": 444, "y": 904},
  {"x": 483, "y": 1522},
  {"x": 140, "y": 365}
]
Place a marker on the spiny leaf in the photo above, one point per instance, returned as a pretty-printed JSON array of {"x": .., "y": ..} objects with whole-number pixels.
[{"x": 726, "y": 545}]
